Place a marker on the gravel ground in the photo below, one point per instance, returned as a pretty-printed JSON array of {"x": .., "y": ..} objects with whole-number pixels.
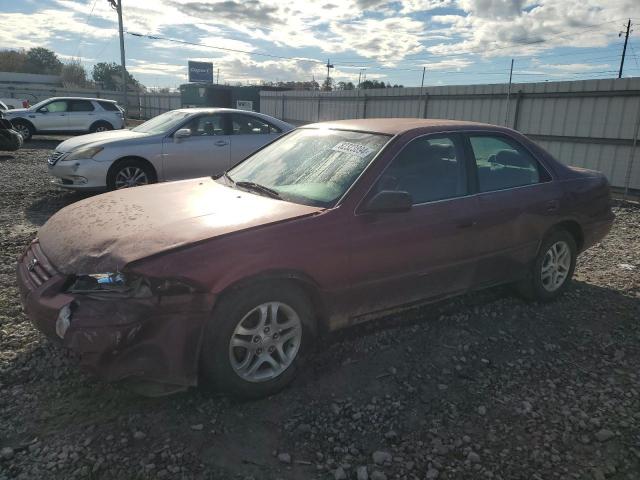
[{"x": 484, "y": 386}]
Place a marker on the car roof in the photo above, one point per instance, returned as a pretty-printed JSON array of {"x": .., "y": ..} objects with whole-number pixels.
[
  {"x": 196, "y": 110},
  {"x": 218, "y": 109},
  {"x": 84, "y": 98},
  {"x": 395, "y": 126}
]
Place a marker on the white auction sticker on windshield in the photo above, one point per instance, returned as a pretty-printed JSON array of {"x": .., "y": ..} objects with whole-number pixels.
[{"x": 353, "y": 148}]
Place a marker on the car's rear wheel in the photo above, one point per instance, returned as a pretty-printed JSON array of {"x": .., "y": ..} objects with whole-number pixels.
[
  {"x": 130, "y": 173},
  {"x": 256, "y": 338},
  {"x": 553, "y": 268},
  {"x": 25, "y": 129},
  {"x": 100, "y": 127}
]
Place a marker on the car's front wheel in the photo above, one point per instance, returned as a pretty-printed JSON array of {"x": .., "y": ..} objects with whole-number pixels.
[
  {"x": 130, "y": 173},
  {"x": 553, "y": 268},
  {"x": 256, "y": 337}
]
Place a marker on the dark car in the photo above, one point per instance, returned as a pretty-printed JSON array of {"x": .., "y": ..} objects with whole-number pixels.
[
  {"x": 10, "y": 140},
  {"x": 330, "y": 225}
]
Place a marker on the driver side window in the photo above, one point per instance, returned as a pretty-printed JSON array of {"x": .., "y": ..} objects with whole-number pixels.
[
  {"x": 429, "y": 169},
  {"x": 56, "y": 106}
]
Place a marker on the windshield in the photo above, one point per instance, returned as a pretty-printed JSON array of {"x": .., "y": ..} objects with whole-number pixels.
[
  {"x": 162, "y": 123},
  {"x": 311, "y": 166},
  {"x": 39, "y": 104}
]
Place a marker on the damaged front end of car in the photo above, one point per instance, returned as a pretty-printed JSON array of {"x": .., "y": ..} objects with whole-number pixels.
[{"x": 123, "y": 326}]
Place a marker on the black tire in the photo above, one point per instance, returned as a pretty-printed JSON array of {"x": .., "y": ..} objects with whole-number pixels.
[
  {"x": 10, "y": 140},
  {"x": 100, "y": 127},
  {"x": 533, "y": 287},
  {"x": 24, "y": 128},
  {"x": 130, "y": 163},
  {"x": 216, "y": 352}
]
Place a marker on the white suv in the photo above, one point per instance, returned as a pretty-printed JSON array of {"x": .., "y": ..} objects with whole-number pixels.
[{"x": 66, "y": 115}]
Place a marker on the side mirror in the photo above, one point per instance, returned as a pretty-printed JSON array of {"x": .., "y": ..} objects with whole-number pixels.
[
  {"x": 389, "y": 201},
  {"x": 43, "y": 110},
  {"x": 182, "y": 133}
]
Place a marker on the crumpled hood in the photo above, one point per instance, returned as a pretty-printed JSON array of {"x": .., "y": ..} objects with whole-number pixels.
[
  {"x": 99, "y": 138},
  {"x": 106, "y": 232}
]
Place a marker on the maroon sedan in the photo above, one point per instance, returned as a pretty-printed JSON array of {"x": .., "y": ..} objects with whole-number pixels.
[{"x": 334, "y": 223}]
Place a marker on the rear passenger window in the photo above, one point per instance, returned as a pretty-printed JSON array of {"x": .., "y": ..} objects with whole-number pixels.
[
  {"x": 109, "y": 106},
  {"x": 429, "y": 169},
  {"x": 80, "y": 106},
  {"x": 246, "y": 125},
  {"x": 503, "y": 164}
]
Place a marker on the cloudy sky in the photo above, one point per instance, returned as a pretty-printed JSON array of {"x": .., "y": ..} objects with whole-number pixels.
[{"x": 458, "y": 41}]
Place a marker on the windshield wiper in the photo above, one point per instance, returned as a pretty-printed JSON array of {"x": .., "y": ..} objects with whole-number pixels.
[{"x": 256, "y": 187}]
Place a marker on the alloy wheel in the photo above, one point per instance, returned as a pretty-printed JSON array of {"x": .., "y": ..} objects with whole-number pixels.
[
  {"x": 130, "y": 177},
  {"x": 265, "y": 342},
  {"x": 101, "y": 128},
  {"x": 23, "y": 130},
  {"x": 556, "y": 266}
]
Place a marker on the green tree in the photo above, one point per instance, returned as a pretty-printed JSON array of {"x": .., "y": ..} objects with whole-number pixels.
[
  {"x": 43, "y": 61},
  {"x": 345, "y": 86},
  {"x": 73, "y": 74},
  {"x": 13, "y": 61},
  {"x": 110, "y": 74},
  {"x": 372, "y": 84},
  {"x": 327, "y": 85}
]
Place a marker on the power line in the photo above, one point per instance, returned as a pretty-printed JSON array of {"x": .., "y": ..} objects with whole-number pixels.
[
  {"x": 86, "y": 22},
  {"x": 225, "y": 49}
]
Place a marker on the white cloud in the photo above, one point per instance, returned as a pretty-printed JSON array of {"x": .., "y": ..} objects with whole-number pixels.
[
  {"x": 145, "y": 67},
  {"x": 39, "y": 29},
  {"x": 449, "y": 64},
  {"x": 523, "y": 27},
  {"x": 386, "y": 32},
  {"x": 388, "y": 40},
  {"x": 573, "y": 67},
  {"x": 411, "y": 6}
]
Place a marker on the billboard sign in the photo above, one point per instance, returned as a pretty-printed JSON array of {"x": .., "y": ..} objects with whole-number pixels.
[
  {"x": 200, "y": 72},
  {"x": 244, "y": 105}
]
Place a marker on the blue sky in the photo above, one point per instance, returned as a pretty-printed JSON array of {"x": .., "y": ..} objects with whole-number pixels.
[{"x": 458, "y": 41}]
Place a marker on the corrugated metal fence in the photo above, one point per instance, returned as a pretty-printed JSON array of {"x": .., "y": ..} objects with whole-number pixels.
[
  {"x": 590, "y": 123},
  {"x": 141, "y": 105}
]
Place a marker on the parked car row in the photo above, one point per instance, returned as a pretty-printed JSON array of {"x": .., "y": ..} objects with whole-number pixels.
[{"x": 289, "y": 233}]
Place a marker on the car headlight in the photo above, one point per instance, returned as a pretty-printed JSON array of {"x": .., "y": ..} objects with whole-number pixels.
[
  {"x": 81, "y": 153},
  {"x": 126, "y": 286}
]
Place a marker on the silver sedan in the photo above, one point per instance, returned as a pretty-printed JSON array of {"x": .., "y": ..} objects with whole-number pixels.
[{"x": 176, "y": 145}]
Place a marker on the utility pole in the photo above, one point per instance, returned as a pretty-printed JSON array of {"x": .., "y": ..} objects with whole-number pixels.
[
  {"x": 424, "y": 70},
  {"x": 218, "y": 77},
  {"x": 122, "y": 62},
  {"x": 506, "y": 116},
  {"x": 359, "y": 77},
  {"x": 624, "y": 49},
  {"x": 329, "y": 67}
]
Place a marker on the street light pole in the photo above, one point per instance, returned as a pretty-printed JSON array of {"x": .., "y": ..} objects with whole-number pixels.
[{"x": 122, "y": 62}]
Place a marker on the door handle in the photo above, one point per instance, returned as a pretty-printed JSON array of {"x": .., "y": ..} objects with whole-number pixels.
[
  {"x": 552, "y": 206},
  {"x": 220, "y": 143},
  {"x": 466, "y": 224}
]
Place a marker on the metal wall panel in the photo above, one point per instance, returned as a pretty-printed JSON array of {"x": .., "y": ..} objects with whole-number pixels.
[{"x": 588, "y": 123}]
